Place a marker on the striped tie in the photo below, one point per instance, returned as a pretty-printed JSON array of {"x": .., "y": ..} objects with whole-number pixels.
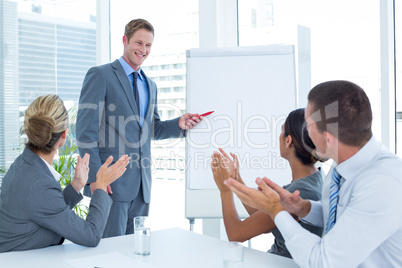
[{"x": 333, "y": 199}]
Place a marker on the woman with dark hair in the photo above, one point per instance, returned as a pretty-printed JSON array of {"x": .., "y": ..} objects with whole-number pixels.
[
  {"x": 298, "y": 149},
  {"x": 34, "y": 211}
]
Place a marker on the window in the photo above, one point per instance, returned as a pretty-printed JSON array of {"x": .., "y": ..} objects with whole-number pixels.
[
  {"x": 178, "y": 89},
  {"x": 179, "y": 66},
  {"x": 171, "y": 113},
  {"x": 340, "y": 45},
  {"x": 164, "y": 90},
  {"x": 49, "y": 47},
  {"x": 398, "y": 75},
  {"x": 165, "y": 78},
  {"x": 179, "y": 77}
]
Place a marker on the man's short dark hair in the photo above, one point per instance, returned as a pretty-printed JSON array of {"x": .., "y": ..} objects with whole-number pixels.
[{"x": 344, "y": 111}]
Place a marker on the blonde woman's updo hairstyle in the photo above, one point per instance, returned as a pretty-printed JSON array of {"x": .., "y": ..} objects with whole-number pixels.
[{"x": 45, "y": 120}]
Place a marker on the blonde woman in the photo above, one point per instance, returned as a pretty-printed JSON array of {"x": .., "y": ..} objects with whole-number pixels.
[{"x": 34, "y": 211}]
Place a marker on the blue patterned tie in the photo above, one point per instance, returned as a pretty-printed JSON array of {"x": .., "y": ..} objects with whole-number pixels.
[{"x": 333, "y": 199}]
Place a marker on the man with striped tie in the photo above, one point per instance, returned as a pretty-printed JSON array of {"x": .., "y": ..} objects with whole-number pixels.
[{"x": 361, "y": 201}]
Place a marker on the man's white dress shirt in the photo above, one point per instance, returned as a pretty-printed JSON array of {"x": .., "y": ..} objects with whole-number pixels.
[{"x": 368, "y": 228}]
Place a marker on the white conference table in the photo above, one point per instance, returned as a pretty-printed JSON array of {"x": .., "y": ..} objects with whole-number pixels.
[{"x": 169, "y": 248}]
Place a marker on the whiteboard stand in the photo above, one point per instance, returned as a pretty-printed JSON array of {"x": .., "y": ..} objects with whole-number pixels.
[
  {"x": 192, "y": 222},
  {"x": 210, "y": 227}
]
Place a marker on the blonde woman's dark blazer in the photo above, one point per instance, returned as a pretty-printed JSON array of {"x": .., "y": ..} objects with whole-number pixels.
[{"x": 35, "y": 212}]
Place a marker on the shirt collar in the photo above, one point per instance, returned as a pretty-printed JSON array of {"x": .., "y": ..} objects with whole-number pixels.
[
  {"x": 128, "y": 69},
  {"x": 55, "y": 174},
  {"x": 348, "y": 168}
]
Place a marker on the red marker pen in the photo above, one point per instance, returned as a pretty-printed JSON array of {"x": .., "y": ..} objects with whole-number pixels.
[{"x": 206, "y": 114}]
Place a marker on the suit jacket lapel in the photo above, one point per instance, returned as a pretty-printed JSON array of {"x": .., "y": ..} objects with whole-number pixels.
[
  {"x": 151, "y": 97},
  {"x": 125, "y": 83}
]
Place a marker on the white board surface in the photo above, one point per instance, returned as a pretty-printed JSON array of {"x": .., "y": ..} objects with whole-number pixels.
[{"x": 251, "y": 91}]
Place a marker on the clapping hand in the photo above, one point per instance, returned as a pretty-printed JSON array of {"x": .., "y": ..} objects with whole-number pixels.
[
  {"x": 291, "y": 202},
  {"x": 220, "y": 172},
  {"x": 231, "y": 164},
  {"x": 264, "y": 198},
  {"x": 109, "y": 173},
  {"x": 81, "y": 173}
]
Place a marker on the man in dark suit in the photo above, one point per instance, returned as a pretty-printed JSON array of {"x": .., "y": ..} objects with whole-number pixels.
[{"x": 118, "y": 115}]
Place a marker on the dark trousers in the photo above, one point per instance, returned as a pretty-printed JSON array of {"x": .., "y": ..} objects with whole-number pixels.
[{"x": 121, "y": 216}]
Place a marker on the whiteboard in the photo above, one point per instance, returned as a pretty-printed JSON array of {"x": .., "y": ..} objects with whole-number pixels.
[{"x": 251, "y": 91}]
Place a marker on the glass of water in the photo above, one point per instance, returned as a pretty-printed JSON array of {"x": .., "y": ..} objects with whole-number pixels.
[
  {"x": 233, "y": 255},
  {"x": 142, "y": 236}
]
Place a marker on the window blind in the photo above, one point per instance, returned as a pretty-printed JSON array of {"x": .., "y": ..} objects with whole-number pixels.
[{"x": 47, "y": 49}]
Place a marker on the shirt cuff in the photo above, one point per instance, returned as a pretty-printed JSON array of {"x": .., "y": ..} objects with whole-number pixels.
[
  {"x": 71, "y": 196},
  {"x": 101, "y": 194},
  {"x": 70, "y": 190},
  {"x": 286, "y": 224},
  {"x": 299, "y": 241},
  {"x": 314, "y": 217}
]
